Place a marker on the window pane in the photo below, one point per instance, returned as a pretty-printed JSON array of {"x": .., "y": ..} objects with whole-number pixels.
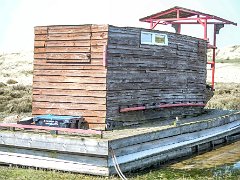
[
  {"x": 146, "y": 38},
  {"x": 160, "y": 39}
]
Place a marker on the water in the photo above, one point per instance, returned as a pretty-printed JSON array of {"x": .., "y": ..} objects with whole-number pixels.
[
  {"x": 236, "y": 165},
  {"x": 226, "y": 156}
]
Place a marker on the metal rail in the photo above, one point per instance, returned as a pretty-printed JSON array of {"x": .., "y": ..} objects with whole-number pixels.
[{"x": 140, "y": 108}]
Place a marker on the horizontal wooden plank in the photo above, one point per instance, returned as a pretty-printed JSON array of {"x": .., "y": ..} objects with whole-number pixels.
[
  {"x": 95, "y": 120},
  {"x": 40, "y": 30},
  {"x": 69, "y": 130},
  {"x": 97, "y": 55},
  {"x": 40, "y": 59},
  {"x": 60, "y": 143},
  {"x": 99, "y": 35},
  {"x": 67, "y": 92},
  {"x": 40, "y": 37},
  {"x": 65, "y": 49},
  {"x": 69, "y": 61},
  {"x": 69, "y": 29},
  {"x": 70, "y": 37},
  {"x": 99, "y": 27},
  {"x": 100, "y": 126},
  {"x": 40, "y": 64},
  {"x": 72, "y": 99},
  {"x": 70, "y": 72},
  {"x": 81, "y": 159},
  {"x": 52, "y": 163},
  {"x": 77, "y": 112},
  {"x": 68, "y": 79},
  {"x": 39, "y": 43},
  {"x": 40, "y": 56},
  {"x": 98, "y": 49},
  {"x": 98, "y": 42},
  {"x": 39, "y": 50},
  {"x": 98, "y": 61},
  {"x": 74, "y": 106},
  {"x": 76, "y": 62},
  {"x": 69, "y": 86},
  {"x": 76, "y": 43},
  {"x": 80, "y": 56}
]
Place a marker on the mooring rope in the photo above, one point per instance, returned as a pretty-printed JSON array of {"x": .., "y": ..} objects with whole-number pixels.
[{"x": 116, "y": 165}]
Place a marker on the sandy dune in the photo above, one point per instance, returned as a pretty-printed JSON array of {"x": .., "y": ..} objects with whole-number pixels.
[{"x": 226, "y": 72}]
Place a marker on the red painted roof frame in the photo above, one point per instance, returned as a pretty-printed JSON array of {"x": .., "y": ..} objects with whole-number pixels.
[
  {"x": 177, "y": 16},
  {"x": 170, "y": 16}
]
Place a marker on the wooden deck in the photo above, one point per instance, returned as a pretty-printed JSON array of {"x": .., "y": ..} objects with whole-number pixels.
[{"x": 134, "y": 148}]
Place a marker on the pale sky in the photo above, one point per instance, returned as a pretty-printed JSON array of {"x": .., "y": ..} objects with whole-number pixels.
[{"x": 18, "y": 17}]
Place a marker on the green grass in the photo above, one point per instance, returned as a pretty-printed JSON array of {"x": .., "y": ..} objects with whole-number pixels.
[
  {"x": 158, "y": 173},
  {"x": 32, "y": 174},
  {"x": 226, "y": 96},
  {"x": 196, "y": 174},
  {"x": 15, "y": 99}
]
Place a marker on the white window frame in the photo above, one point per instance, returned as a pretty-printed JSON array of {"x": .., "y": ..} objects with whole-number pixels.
[{"x": 153, "y": 42}]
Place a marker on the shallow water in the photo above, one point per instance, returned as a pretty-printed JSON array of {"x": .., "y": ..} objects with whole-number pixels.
[
  {"x": 228, "y": 155},
  {"x": 236, "y": 165}
]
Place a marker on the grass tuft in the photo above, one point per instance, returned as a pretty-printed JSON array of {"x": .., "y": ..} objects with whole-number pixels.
[
  {"x": 2, "y": 84},
  {"x": 226, "y": 96},
  {"x": 11, "y": 81},
  {"x": 15, "y": 99},
  {"x": 19, "y": 87}
]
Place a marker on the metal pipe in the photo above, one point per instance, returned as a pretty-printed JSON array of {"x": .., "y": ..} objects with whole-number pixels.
[{"x": 140, "y": 108}]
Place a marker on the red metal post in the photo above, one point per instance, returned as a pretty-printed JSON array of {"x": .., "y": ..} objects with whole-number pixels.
[
  {"x": 205, "y": 29},
  {"x": 214, "y": 55},
  {"x": 178, "y": 14},
  {"x": 151, "y": 24},
  {"x": 179, "y": 29}
]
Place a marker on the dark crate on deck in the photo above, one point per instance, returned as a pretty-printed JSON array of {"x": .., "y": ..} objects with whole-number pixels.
[
  {"x": 102, "y": 71},
  {"x": 58, "y": 121}
]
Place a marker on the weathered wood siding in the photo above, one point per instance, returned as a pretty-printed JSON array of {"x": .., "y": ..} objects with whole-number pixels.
[
  {"x": 69, "y": 76},
  {"x": 151, "y": 74},
  {"x": 72, "y": 78}
]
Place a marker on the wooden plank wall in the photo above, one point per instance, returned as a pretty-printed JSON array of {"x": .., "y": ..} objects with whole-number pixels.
[
  {"x": 150, "y": 74},
  {"x": 69, "y": 76}
]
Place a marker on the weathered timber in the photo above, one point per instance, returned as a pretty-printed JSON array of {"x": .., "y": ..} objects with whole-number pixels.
[
  {"x": 95, "y": 70},
  {"x": 137, "y": 74}
]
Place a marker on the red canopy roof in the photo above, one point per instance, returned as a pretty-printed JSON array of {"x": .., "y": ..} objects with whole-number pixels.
[{"x": 177, "y": 13}]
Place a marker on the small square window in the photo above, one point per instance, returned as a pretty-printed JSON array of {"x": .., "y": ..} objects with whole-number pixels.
[{"x": 154, "y": 38}]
